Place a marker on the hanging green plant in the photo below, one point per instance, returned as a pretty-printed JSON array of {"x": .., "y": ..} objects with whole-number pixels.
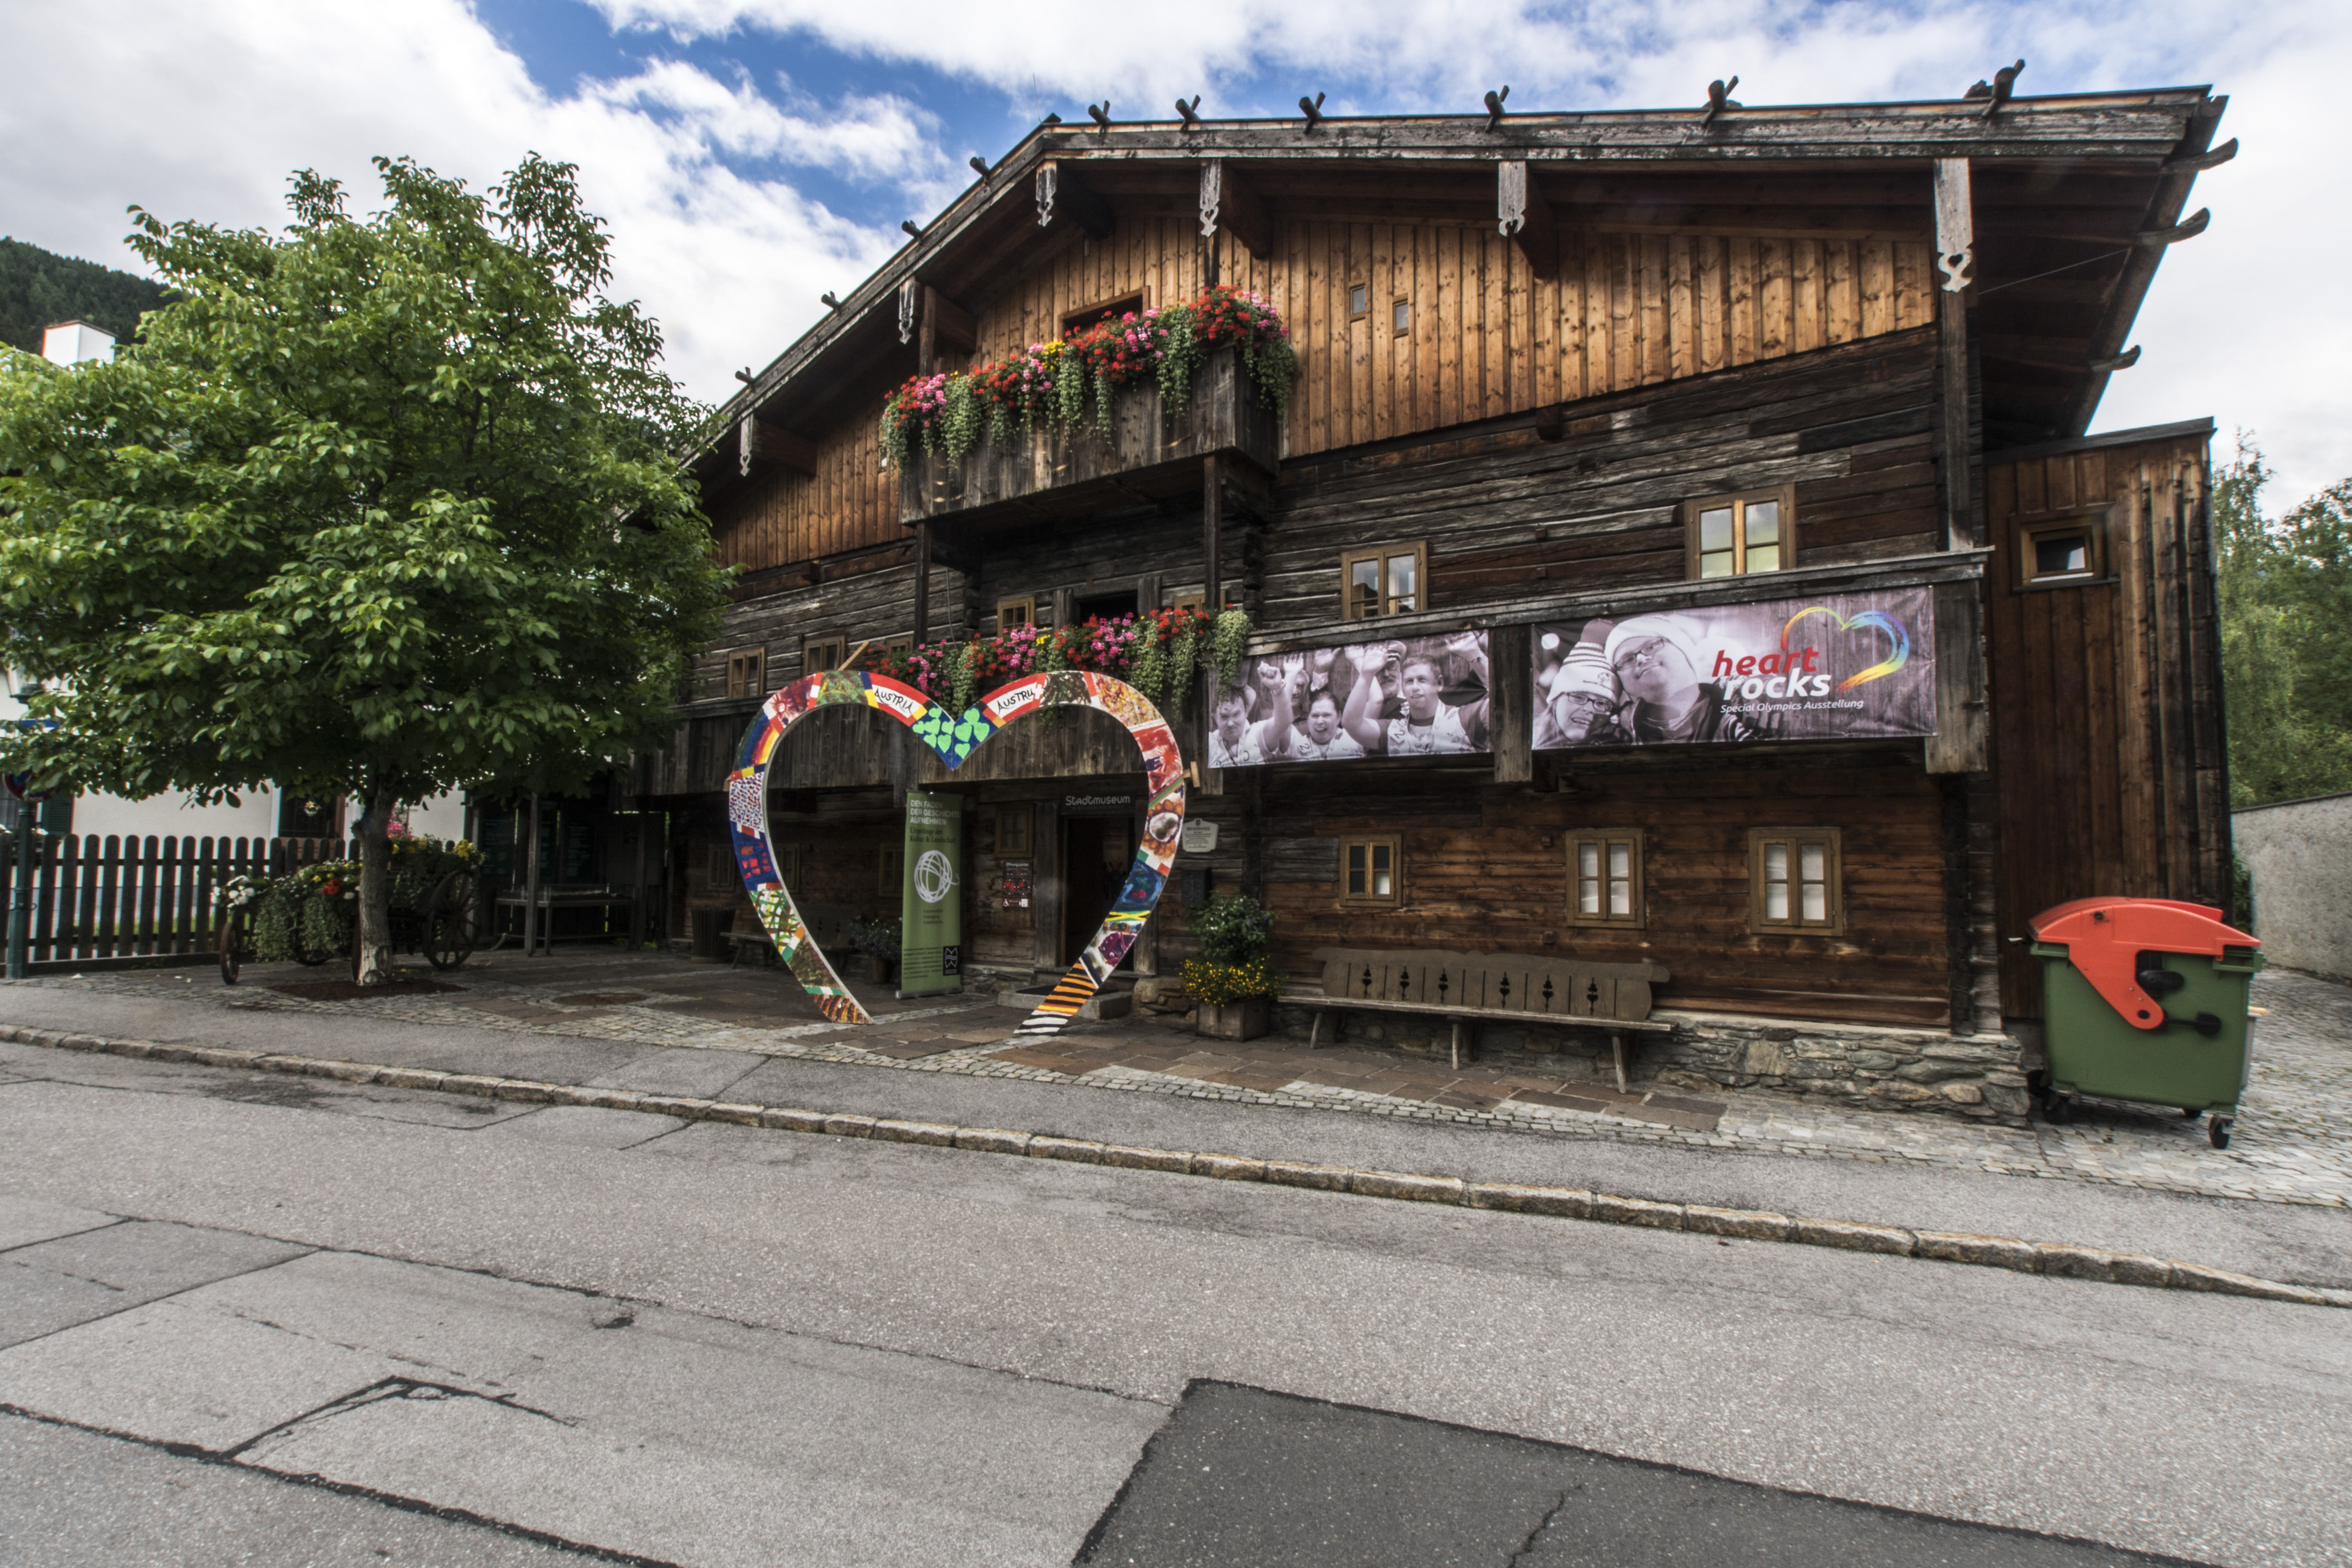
[{"x": 1227, "y": 640}]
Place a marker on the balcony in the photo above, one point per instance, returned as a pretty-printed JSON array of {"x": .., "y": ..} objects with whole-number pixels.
[{"x": 1051, "y": 473}]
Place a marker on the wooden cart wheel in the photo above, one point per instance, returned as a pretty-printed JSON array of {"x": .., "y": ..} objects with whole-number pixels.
[
  {"x": 232, "y": 939},
  {"x": 452, "y": 921},
  {"x": 304, "y": 953}
]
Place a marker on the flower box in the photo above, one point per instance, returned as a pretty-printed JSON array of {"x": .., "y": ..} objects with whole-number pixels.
[
  {"x": 1244, "y": 1020},
  {"x": 1149, "y": 450}
]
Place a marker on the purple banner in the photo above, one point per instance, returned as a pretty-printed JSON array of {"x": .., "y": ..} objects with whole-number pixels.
[{"x": 1839, "y": 667}]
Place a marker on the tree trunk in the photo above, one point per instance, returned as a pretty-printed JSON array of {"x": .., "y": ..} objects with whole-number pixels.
[{"x": 372, "y": 832}]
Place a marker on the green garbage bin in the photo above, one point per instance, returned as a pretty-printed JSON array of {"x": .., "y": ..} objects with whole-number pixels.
[{"x": 2147, "y": 1000}]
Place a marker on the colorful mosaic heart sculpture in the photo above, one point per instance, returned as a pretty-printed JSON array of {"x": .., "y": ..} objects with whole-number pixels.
[{"x": 955, "y": 737}]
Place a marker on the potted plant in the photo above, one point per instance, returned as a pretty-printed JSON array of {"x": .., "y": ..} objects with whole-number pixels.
[
  {"x": 1233, "y": 983},
  {"x": 877, "y": 938}
]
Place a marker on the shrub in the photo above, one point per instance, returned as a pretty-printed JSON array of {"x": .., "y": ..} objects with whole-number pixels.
[{"x": 1232, "y": 930}]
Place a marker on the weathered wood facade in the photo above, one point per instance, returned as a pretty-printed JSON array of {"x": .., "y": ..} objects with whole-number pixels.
[{"x": 1528, "y": 353}]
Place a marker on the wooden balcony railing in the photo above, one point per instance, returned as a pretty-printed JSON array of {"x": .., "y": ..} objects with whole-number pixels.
[{"x": 1150, "y": 453}]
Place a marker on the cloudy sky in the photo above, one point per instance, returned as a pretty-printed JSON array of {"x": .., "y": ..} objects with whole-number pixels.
[{"x": 752, "y": 153}]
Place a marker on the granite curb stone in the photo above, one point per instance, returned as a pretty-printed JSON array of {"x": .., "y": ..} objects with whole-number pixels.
[{"x": 2052, "y": 1259}]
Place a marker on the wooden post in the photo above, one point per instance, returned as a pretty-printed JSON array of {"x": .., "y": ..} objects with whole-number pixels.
[
  {"x": 1212, "y": 525},
  {"x": 530, "y": 884},
  {"x": 1045, "y": 887},
  {"x": 1511, "y": 728},
  {"x": 922, "y": 582},
  {"x": 1955, "y": 260}
]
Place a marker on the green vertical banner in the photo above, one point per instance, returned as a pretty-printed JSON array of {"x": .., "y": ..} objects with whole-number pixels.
[{"x": 930, "y": 937}]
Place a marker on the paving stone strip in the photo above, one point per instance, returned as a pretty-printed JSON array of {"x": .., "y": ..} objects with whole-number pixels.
[{"x": 2054, "y": 1259}]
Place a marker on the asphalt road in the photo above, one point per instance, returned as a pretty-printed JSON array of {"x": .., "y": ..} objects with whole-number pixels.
[
  {"x": 712, "y": 1344},
  {"x": 2304, "y": 1244}
]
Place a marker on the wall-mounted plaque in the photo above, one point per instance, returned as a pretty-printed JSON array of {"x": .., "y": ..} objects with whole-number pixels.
[{"x": 1200, "y": 837}]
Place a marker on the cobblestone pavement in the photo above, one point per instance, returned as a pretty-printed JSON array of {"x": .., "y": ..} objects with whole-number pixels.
[{"x": 2293, "y": 1141}]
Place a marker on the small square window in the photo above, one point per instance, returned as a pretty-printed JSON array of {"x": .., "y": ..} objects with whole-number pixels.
[
  {"x": 1401, "y": 317},
  {"x": 819, "y": 654},
  {"x": 1012, "y": 830},
  {"x": 747, "y": 672},
  {"x": 1604, "y": 877},
  {"x": 1095, "y": 315},
  {"x": 1795, "y": 880},
  {"x": 1731, "y": 536},
  {"x": 1359, "y": 302},
  {"x": 1371, "y": 870},
  {"x": 1011, "y": 613},
  {"x": 2065, "y": 551},
  {"x": 1384, "y": 580}
]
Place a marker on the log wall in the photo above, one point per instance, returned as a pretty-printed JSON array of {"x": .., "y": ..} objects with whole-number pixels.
[
  {"x": 1485, "y": 869},
  {"x": 1510, "y": 516}
]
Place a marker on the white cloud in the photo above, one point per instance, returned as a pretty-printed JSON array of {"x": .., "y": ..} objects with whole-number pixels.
[{"x": 201, "y": 112}]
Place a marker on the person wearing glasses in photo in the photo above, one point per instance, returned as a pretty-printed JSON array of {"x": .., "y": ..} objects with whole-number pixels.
[
  {"x": 1652, "y": 659},
  {"x": 1428, "y": 725},
  {"x": 1582, "y": 697}
]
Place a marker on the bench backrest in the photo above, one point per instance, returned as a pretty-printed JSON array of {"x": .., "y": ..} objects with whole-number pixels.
[
  {"x": 1493, "y": 982},
  {"x": 828, "y": 924}
]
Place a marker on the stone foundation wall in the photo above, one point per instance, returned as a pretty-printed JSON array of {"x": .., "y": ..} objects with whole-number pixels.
[{"x": 1977, "y": 1077}]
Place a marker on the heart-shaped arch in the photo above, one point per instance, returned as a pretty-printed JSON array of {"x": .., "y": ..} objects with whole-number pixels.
[{"x": 955, "y": 737}]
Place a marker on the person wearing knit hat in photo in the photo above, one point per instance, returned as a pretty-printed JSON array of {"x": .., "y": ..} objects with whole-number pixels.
[
  {"x": 1581, "y": 702},
  {"x": 1654, "y": 658}
]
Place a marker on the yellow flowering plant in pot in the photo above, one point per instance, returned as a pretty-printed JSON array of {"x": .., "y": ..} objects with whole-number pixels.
[{"x": 1233, "y": 982}]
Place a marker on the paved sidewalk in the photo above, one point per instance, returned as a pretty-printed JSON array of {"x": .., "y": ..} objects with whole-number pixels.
[{"x": 2293, "y": 1143}]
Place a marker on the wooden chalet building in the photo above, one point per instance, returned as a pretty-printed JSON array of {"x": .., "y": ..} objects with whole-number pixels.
[{"x": 1559, "y": 375}]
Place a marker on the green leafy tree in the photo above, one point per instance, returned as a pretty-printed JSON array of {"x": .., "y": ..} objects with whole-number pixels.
[
  {"x": 381, "y": 506},
  {"x": 2286, "y": 594}
]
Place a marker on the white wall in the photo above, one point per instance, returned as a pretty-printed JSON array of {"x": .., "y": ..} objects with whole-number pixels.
[{"x": 2298, "y": 855}]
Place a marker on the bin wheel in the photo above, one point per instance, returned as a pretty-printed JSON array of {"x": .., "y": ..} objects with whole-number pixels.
[
  {"x": 2190, "y": 1115},
  {"x": 2217, "y": 1131},
  {"x": 2058, "y": 1109}
]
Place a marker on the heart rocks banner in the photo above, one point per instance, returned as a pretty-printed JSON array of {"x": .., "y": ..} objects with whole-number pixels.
[{"x": 1839, "y": 667}]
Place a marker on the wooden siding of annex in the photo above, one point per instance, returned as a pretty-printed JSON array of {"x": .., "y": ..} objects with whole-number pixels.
[
  {"x": 2107, "y": 723},
  {"x": 1487, "y": 337}
]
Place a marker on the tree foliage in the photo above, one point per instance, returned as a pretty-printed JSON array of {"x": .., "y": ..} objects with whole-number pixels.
[
  {"x": 39, "y": 288},
  {"x": 382, "y": 506},
  {"x": 2285, "y": 590}
]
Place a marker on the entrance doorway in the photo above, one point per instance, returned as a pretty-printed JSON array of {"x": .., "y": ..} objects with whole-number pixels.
[{"x": 1097, "y": 852}]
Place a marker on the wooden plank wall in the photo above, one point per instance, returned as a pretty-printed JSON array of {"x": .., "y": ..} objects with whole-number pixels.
[
  {"x": 778, "y": 515},
  {"x": 1158, "y": 258},
  {"x": 2107, "y": 727},
  {"x": 1479, "y": 861},
  {"x": 1488, "y": 337}
]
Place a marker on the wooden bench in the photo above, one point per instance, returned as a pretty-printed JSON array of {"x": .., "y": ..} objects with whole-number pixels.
[
  {"x": 1471, "y": 988},
  {"x": 828, "y": 926}
]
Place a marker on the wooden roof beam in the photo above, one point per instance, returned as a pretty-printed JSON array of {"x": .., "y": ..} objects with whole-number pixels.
[
  {"x": 1523, "y": 214},
  {"x": 1061, "y": 190},
  {"x": 1229, "y": 201},
  {"x": 758, "y": 442}
]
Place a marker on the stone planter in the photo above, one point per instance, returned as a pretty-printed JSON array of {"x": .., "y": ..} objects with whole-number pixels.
[{"x": 1238, "y": 1020}]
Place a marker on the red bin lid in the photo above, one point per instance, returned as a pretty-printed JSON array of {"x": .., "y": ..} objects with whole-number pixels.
[{"x": 2105, "y": 938}]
